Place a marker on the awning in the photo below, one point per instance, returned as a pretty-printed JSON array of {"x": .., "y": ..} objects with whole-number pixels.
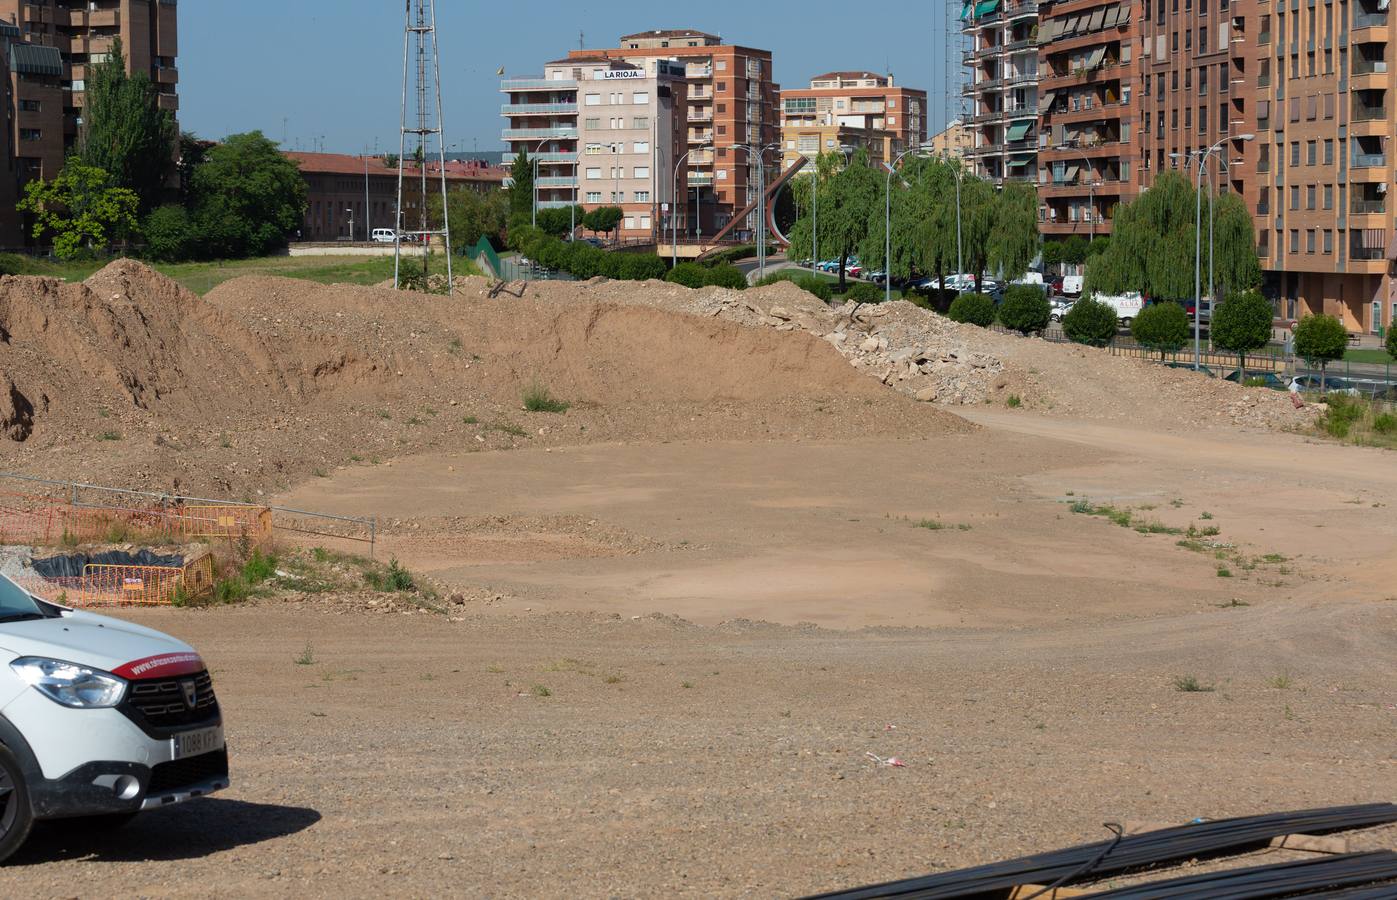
[
  {"x": 985, "y": 7},
  {"x": 1374, "y": 239},
  {"x": 1113, "y": 17},
  {"x": 1019, "y": 163},
  {"x": 1045, "y": 102},
  {"x": 1070, "y": 176},
  {"x": 1048, "y": 31},
  {"x": 1018, "y": 131},
  {"x": 1097, "y": 57},
  {"x": 1263, "y": 109},
  {"x": 35, "y": 59},
  {"x": 1125, "y": 16},
  {"x": 1097, "y": 19},
  {"x": 965, "y": 10}
]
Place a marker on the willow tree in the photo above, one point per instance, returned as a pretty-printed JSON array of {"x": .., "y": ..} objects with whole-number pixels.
[{"x": 1155, "y": 244}]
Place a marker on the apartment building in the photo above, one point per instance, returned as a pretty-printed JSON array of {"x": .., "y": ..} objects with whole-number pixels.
[
  {"x": 863, "y": 102},
  {"x": 730, "y": 104},
  {"x": 1089, "y": 156},
  {"x": 1002, "y": 88},
  {"x": 605, "y": 132},
  {"x": 1321, "y": 167},
  {"x": 954, "y": 141},
  {"x": 813, "y": 139}
]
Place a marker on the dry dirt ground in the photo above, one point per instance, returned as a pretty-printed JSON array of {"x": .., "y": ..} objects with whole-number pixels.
[{"x": 691, "y": 605}]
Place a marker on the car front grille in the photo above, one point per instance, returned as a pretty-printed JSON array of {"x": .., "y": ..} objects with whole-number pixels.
[
  {"x": 161, "y": 703},
  {"x": 183, "y": 773}
]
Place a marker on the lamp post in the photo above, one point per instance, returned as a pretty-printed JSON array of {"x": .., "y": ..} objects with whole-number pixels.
[
  {"x": 1091, "y": 187},
  {"x": 1203, "y": 156},
  {"x": 673, "y": 198},
  {"x": 845, "y": 150},
  {"x": 533, "y": 188},
  {"x": 760, "y": 154},
  {"x": 920, "y": 150}
]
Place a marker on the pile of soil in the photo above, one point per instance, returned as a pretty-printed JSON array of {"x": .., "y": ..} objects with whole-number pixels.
[
  {"x": 130, "y": 379},
  {"x": 928, "y": 356}
]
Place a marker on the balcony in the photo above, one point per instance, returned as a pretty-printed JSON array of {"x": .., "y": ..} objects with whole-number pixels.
[
  {"x": 1363, "y": 66},
  {"x": 167, "y": 101},
  {"x": 700, "y": 179},
  {"x": 561, "y": 133},
  {"x": 700, "y": 115},
  {"x": 1367, "y": 113},
  {"x": 538, "y": 109},
  {"x": 555, "y": 181},
  {"x": 1360, "y": 253},
  {"x": 700, "y": 137},
  {"x": 1362, "y": 207},
  {"x": 538, "y": 84},
  {"x": 1363, "y": 19},
  {"x": 698, "y": 72},
  {"x": 166, "y": 75},
  {"x": 1368, "y": 160},
  {"x": 552, "y": 157}
]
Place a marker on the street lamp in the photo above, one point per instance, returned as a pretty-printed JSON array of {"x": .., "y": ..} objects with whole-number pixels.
[
  {"x": 761, "y": 201},
  {"x": 533, "y": 189},
  {"x": 922, "y": 151},
  {"x": 673, "y": 198},
  {"x": 1202, "y": 156},
  {"x": 846, "y": 151},
  {"x": 1091, "y": 187}
]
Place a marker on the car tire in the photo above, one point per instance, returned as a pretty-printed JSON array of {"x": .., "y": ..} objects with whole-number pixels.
[{"x": 16, "y": 813}]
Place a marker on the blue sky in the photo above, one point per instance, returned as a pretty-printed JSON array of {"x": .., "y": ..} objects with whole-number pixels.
[{"x": 333, "y": 68}]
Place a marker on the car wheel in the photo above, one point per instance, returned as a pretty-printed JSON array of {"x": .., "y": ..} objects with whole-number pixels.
[{"x": 16, "y": 815}]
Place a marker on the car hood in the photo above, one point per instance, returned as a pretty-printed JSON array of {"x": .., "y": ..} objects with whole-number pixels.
[{"x": 101, "y": 642}]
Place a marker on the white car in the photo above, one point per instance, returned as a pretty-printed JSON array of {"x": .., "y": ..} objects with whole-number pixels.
[
  {"x": 1059, "y": 307},
  {"x": 98, "y": 718},
  {"x": 383, "y": 236}
]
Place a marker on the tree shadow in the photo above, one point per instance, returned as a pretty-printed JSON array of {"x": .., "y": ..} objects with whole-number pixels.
[{"x": 184, "y": 831}]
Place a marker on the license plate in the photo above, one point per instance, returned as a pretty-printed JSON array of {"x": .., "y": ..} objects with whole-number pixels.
[{"x": 193, "y": 743}]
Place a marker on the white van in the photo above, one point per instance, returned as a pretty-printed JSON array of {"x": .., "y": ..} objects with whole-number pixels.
[
  {"x": 1072, "y": 286},
  {"x": 383, "y": 236},
  {"x": 1127, "y": 305}
]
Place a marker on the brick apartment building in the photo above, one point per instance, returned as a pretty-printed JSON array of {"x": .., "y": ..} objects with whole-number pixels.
[
  {"x": 730, "y": 101},
  {"x": 604, "y": 132},
  {"x": 858, "y": 108},
  {"x": 363, "y": 190},
  {"x": 1125, "y": 91},
  {"x": 47, "y": 47}
]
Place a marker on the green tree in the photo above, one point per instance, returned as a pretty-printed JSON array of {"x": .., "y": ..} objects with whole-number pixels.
[
  {"x": 1025, "y": 308},
  {"x": 124, "y": 131},
  {"x": 558, "y": 221},
  {"x": 603, "y": 219},
  {"x": 1090, "y": 322},
  {"x": 1391, "y": 343},
  {"x": 1052, "y": 254},
  {"x": 1154, "y": 244},
  {"x": 1013, "y": 238},
  {"x": 1161, "y": 326},
  {"x": 247, "y": 198},
  {"x": 169, "y": 236},
  {"x": 521, "y": 190},
  {"x": 972, "y": 309},
  {"x": 390, "y": 160},
  {"x": 1242, "y": 324},
  {"x": 847, "y": 207},
  {"x": 82, "y": 207},
  {"x": 473, "y": 215},
  {"x": 1319, "y": 340},
  {"x": 1075, "y": 249}
]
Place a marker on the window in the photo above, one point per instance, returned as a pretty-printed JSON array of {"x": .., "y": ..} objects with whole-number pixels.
[
  {"x": 1328, "y": 242},
  {"x": 594, "y": 196},
  {"x": 1310, "y": 197},
  {"x": 1294, "y": 153},
  {"x": 1309, "y": 240},
  {"x": 1294, "y": 240},
  {"x": 1329, "y": 196},
  {"x": 593, "y": 100},
  {"x": 721, "y": 65},
  {"x": 31, "y": 105},
  {"x": 642, "y": 146},
  {"x": 1295, "y": 196},
  {"x": 641, "y": 98},
  {"x": 642, "y": 171},
  {"x": 592, "y": 124},
  {"x": 1311, "y": 152},
  {"x": 1328, "y": 152},
  {"x": 642, "y": 196},
  {"x": 644, "y": 222},
  {"x": 31, "y": 134},
  {"x": 618, "y": 196},
  {"x": 593, "y": 174},
  {"x": 630, "y": 223},
  {"x": 641, "y": 122}
]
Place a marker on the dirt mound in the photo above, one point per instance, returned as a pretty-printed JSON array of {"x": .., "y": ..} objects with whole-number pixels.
[
  {"x": 267, "y": 380},
  {"x": 932, "y": 358}
]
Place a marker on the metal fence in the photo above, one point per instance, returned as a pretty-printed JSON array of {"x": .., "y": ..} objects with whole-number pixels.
[{"x": 103, "y": 585}]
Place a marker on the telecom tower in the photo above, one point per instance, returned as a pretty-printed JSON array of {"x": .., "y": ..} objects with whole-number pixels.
[{"x": 420, "y": 41}]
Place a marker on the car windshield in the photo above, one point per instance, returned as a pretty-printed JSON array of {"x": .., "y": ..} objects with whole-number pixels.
[{"x": 15, "y": 602}]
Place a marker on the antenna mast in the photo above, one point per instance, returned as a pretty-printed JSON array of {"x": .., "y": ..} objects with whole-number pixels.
[{"x": 420, "y": 42}]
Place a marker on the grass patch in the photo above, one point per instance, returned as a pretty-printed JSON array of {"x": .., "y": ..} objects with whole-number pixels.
[
  {"x": 539, "y": 690},
  {"x": 1371, "y": 356},
  {"x": 930, "y": 525},
  {"x": 109, "y": 436},
  {"x": 307, "y": 657},
  {"x": 507, "y": 428},
  {"x": 1014, "y": 401},
  {"x": 471, "y": 420},
  {"x": 1357, "y": 420},
  {"x": 1224, "y": 572},
  {"x": 538, "y": 399},
  {"x": 1156, "y": 528},
  {"x": 1122, "y": 517},
  {"x": 393, "y": 579},
  {"x": 1188, "y": 684},
  {"x": 1281, "y": 682}
]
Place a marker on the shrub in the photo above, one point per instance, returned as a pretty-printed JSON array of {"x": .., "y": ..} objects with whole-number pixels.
[
  {"x": 169, "y": 237},
  {"x": 727, "y": 276},
  {"x": 642, "y": 266},
  {"x": 817, "y": 286},
  {"x": 1242, "y": 323},
  {"x": 1391, "y": 344},
  {"x": 538, "y": 399},
  {"x": 689, "y": 274},
  {"x": 974, "y": 309},
  {"x": 1161, "y": 326},
  {"x": 1090, "y": 322},
  {"x": 863, "y": 292},
  {"x": 1025, "y": 308},
  {"x": 1320, "y": 339}
]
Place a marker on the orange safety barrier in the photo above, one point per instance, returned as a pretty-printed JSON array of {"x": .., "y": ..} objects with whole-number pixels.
[
  {"x": 40, "y": 521},
  {"x": 229, "y": 521},
  {"x": 118, "y": 585}
]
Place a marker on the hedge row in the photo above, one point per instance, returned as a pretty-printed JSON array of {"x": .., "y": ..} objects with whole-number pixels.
[{"x": 581, "y": 260}]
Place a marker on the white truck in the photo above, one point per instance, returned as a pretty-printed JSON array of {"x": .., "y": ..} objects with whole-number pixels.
[
  {"x": 1127, "y": 305},
  {"x": 99, "y": 718}
]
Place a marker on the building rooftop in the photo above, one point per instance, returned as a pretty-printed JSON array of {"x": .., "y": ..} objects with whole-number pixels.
[
  {"x": 848, "y": 76},
  {"x": 348, "y": 164},
  {"x": 670, "y": 33}
]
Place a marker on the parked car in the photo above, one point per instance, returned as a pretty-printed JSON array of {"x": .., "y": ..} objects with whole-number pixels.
[
  {"x": 383, "y": 236},
  {"x": 1058, "y": 308},
  {"x": 99, "y": 718},
  {"x": 1267, "y": 380},
  {"x": 1127, "y": 305},
  {"x": 1054, "y": 285},
  {"x": 855, "y": 271},
  {"x": 1332, "y": 384},
  {"x": 875, "y": 277}
]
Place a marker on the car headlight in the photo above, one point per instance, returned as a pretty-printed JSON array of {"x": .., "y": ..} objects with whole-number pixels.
[{"x": 69, "y": 684}]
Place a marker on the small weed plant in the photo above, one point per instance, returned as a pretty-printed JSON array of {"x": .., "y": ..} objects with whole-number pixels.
[
  {"x": 538, "y": 399},
  {"x": 1189, "y": 684}
]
